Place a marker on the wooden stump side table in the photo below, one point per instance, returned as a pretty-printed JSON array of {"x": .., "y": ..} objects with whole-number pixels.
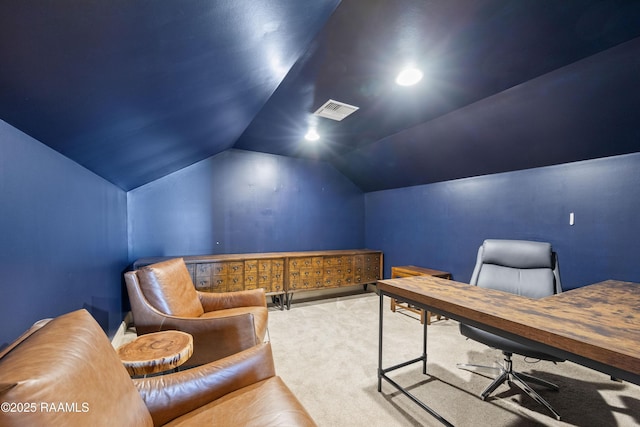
[
  {"x": 156, "y": 352},
  {"x": 412, "y": 270}
]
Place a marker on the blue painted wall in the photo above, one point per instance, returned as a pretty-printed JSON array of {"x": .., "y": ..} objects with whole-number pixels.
[
  {"x": 241, "y": 201},
  {"x": 441, "y": 225},
  {"x": 67, "y": 235},
  {"x": 63, "y": 241}
]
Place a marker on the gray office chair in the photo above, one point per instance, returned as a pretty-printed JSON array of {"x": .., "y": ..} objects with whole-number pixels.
[{"x": 524, "y": 268}]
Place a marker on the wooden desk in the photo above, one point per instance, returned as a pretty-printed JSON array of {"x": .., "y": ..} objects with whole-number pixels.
[
  {"x": 409, "y": 271},
  {"x": 156, "y": 352},
  {"x": 563, "y": 324}
]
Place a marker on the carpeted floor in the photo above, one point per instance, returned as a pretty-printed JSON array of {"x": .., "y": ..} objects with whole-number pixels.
[{"x": 327, "y": 353}]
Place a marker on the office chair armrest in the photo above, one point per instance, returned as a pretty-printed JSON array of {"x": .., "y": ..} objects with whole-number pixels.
[
  {"x": 172, "y": 395},
  {"x": 223, "y": 300}
]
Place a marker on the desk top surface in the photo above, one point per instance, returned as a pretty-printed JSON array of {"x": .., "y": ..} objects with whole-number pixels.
[
  {"x": 412, "y": 270},
  {"x": 600, "y": 322}
]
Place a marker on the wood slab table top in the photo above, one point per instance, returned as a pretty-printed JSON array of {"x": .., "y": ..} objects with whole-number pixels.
[
  {"x": 156, "y": 352},
  {"x": 596, "y": 325}
]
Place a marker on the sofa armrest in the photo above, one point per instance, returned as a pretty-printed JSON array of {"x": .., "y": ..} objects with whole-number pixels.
[
  {"x": 170, "y": 396},
  {"x": 220, "y": 301}
]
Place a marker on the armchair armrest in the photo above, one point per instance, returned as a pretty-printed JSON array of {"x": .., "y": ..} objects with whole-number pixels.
[
  {"x": 214, "y": 338},
  {"x": 170, "y": 396},
  {"x": 223, "y": 300},
  {"x": 35, "y": 327}
]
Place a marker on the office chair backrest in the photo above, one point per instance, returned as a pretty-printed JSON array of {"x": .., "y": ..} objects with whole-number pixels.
[{"x": 521, "y": 267}]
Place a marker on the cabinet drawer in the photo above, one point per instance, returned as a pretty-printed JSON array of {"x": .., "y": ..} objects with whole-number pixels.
[
  {"x": 277, "y": 265},
  {"x": 251, "y": 280},
  {"x": 218, "y": 283},
  {"x": 235, "y": 267},
  {"x": 251, "y": 266},
  {"x": 203, "y": 284},
  {"x": 235, "y": 282},
  {"x": 330, "y": 282},
  {"x": 219, "y": 268},
  {"x": 295, "y": 264},
  {"x": 203, "y": 270}
]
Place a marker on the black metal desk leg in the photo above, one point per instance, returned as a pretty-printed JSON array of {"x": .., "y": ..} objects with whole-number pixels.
[
  {"x": 382, "y": 372},
  {"x": 380, "y": 343},
  {"x": 424, "y": 348}
]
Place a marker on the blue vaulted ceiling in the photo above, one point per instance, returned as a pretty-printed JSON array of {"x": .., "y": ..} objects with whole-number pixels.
[{"x": 135, "y": 90}]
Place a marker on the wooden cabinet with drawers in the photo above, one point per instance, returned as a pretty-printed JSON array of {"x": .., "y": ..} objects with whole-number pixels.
[
  {"x": 280, "y": 273},
  {"x": 331, "y": 269}
]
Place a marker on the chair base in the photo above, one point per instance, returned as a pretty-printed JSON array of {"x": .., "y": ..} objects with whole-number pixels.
[{"x": 508, "y": 375}]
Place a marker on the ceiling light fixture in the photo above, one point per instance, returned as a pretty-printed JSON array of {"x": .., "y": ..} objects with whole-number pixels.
[
  {"x": 312, "y": 135},
  {"x": 409, "y": 76}
]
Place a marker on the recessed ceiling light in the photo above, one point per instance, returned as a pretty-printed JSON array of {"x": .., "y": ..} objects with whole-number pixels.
[
  {"x": 409, "y": 77},
  {"x": 312, "y": 135}
]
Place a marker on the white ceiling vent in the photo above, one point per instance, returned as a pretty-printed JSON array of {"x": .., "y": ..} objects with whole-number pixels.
[{"x": 335, "y": 110}]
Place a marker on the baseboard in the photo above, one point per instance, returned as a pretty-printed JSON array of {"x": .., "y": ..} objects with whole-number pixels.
[{"x": 119, "y": 337}]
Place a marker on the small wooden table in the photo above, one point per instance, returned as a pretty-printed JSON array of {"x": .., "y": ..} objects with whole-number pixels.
[
  {"x": 156, "y": 352},
  {"x": 409, "y": 271}
]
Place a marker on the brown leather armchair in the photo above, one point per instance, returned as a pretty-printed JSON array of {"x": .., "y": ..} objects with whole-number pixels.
[
  {"x": 65, "y": 372},
  {"x": 163, "y": 297}
]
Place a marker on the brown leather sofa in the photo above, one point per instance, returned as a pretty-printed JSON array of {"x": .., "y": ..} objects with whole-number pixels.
[
  {"x": 65, "y": 372},
  {"x": 163, "y": 297}
]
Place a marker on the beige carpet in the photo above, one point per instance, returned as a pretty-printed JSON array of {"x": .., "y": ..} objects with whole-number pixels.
[{"x": 327, "y": 353}]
